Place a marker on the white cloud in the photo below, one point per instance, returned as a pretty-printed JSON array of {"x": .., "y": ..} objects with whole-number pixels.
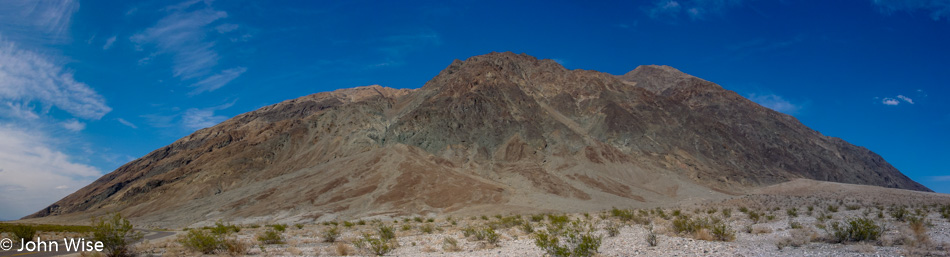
[
  {"x": 195, "y": 118},
  {"x": 940, "y": 178},
  {"x": 26, "y": 77},
  {"x": 37, "y": 20},
  {"x": 183, "y": 35},
  {"x": 225, "y": 28},
  {"x": 890, "y": 101},
  {"x": 109, "y": 43},
  {"x": 695, "y": 9},
  {"x": 906, "y": 99},
  {"x": 939, "y": 9},
  {"x": 217, "y": 81},
  {"x": 776, "y": 102},
  {"x": 74, "y": 125},
  {"x": 34, "y": 173},
  {"x": 127, "y": 123}
]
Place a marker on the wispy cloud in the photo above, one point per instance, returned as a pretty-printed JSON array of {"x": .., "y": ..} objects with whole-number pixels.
[
  {"x": 37, "y": 20},
  {"x": 938, "y": 9},
  {"x": 196, "y": 118},
  {"x": 776, "y": 102},
  {"x": 694, "y": 9},
  {"x": 217, "y": 81},
  {"x": 74, "y": 125},
  {"x": 109, "y": 43},
  {"x": 127, "y": 123},
  {"x": 28, "y": 77},
  {"x": 183, "y": 34},
  {"x": 894, "y": 101},
  {"x": 940, "y": 178},
  {"x": 906, "y": 99},
  {"x": 890, "y": 101},
  {"x": 34, "y": 173}
]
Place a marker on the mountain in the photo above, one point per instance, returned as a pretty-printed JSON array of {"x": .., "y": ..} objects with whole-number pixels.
[{"x": 496, "y": 133}]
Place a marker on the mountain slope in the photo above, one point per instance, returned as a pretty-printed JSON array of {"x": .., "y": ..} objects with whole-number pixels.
[{"x": 496, "y": 133}]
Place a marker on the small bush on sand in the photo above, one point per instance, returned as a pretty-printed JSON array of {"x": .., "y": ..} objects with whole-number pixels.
[
  {"x": 331, "y": 234},
  {"x": 856, "y": 230},
  {"x": 450, "y": 244},
  {"x": 270, "y": 236},
  {"x": 115, "y": 232}
]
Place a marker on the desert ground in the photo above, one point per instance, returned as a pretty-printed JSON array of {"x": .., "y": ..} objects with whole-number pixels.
[{"x": 797, "y": 218}]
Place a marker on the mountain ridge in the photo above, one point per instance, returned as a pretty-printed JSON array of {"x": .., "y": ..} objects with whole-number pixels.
[{"x": 496, "y": 131}]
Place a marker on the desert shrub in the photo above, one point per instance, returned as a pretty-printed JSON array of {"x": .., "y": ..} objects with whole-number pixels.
[
  {"x": 555, "y": 219},
  {"x": 651, "y": 238},
  {"x": 200, "y": 241},
  {"x": 711, "y": 210},
  {"x": 794, "y": 225},
  {"x": 726, "y": 212},
  {"x": 298, "y": 226},
  {"x": 793, "y": 212},
  {"x": 406, "y": 227},
  {"x": 722, "y": 232},
  {"x": 360, "y": 222},
  {"x": 856, "y": 230},
  {"x": 348, "y": 224},
  {"x": 613, "y": 229},
  {"x": 527, "y": 228},
  {"x": 685, "y": 224},
  {"x": 507, "y": 222},
  {"x": 918, "y": 226},
  {"x": 386, "y": 232},
  {"x": 754, "y": 216},
  {"x": 450, "y": 244},
  {"x": 417, "y": 219},
  {"x": 945, "y": 212},
  {"x": 378, "y": 245},
  {"x": 427, "y": 228},
  {"x": 575, "y": 243},
  {"x": 271, "y": 236},
  {"x": 770, "y": 217},
  {"x": 115, "y": 233},
  {"x": 224, "y": 229},
  {"x": 677, "y": 213},
  {"x": 235, "y": 247},
  {"x": 470, "y": 231},
  {"x": 430, "y": 220},
  {"x": 331, "y": 234},
  {"x": 24, "y": 232},
  {"x": 537, "y": 218},
  {"x": 743, "y": 209},
  {"x": 899, "y": 213},
  {"x": 488, "y": 233},
  {"x": 852, "y": 207},
  {"x": 279, "y": 227}
]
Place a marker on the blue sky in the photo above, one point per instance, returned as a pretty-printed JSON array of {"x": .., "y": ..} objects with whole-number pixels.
[{"x": 86, "y": 86}]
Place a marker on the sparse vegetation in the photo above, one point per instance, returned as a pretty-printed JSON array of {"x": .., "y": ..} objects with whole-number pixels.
[
  {"x": 450, "y": 244},
  {"x": 383, "y": 243},
  {"x": 271, "y": 236},
  {"x": 200, "y": 241},
  {"x": 331, "y": 234},
  {"x": 116, "y": 234},
  {"x": 576, "y": 241},
  {"x": 855, "y": 230},
  {"x": 23, "y": 232}
]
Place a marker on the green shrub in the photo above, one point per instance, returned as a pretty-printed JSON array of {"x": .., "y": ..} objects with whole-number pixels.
[
  {"x": 651, "y": 238},
  {"x": 722, "y": 232},
  {"x": 417, "y": 219},
  {"x": 450, "y": 244},
  {"x": 271, "y": 236},
  {"x": 224, "y": 229},
  {"x": 856, "y": 230},
  {"x": 899, "y": 213},
  {"x": 794, "y": 225},
  {"x": 726, "y": 212},
  {"x": 386, "y": 232},
  {"x": 527, "y": 228},
  {"x": 360, "y": 222},
  {"x": 427, "y": 228},
  {"x": 298, "y": 226},
  {"x": 279, "y": 227},
  {"x": 24, "y": 232},
  {"x": 537, "y": 218},
  {"x": 793, "y": 212},
  {"x": 406, "y": 227},
  {"x": 379, "y": 245},
  {"x": 331, "y": 234},
  {"x": 613, "y": 229},
  {"x": 754, "y": 216},
  {"x": 200, "y": 241},
  {"x": 743, "y": 209},
  {"x": 490, "y": 236},
  {"x": 115, "y": 233},
  {"x": 348, "y": 224},
  {"x": 832, "y": 208},
  {"x": 575, "y": 243}
]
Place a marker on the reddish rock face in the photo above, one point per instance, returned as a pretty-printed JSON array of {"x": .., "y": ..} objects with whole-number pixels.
[{"x": 498, "y": 132}]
